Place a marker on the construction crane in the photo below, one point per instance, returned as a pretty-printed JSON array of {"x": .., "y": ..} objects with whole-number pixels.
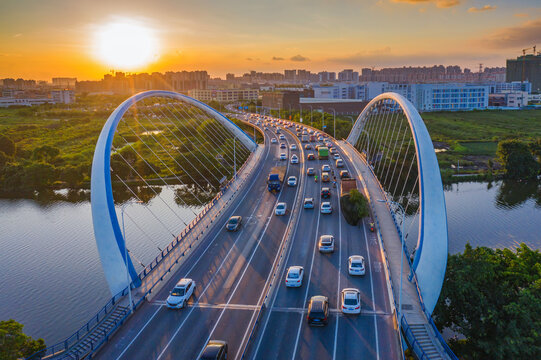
[{"x": 524, "y": 58}]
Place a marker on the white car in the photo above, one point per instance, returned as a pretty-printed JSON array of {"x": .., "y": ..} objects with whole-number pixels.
[
  {"x": 292, "y": 147},
  {"x": 294, "y": 276},
  {"x": 339, "y": 163},
  {"x": 336, "y": 156},
  {"x": 180, "y": 294},
  {"x": 283, "y": 156},
  {"x": 274, "y": 141},
  {"x": 294, "y": 159},
  {"x": 325, "y": 168},
  {"x": 292, "y": 181},
  {"x": 326, "y": 208},
  {"x": 309, "y": 203},
  {"x": 351, "y": 301},
  {"x": 326, "y": 243},
  {"x": 282, "y": 137},
  {"x": 281, "y": 208},
  {"x": 356, "y": 265}
]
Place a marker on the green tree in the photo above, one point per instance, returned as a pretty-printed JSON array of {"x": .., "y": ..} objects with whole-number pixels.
[
  {"x": 7, "y": 146},
  {"x": 493, "y": 298},
  {"x": 45, "y": 153},
  {"x": 517, "y": 159},
  {"x": 354, "y": 206},
  {"x": 14, "y": 344}
]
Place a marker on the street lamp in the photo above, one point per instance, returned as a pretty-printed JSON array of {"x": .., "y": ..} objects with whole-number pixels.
[
  {"x": 311, "y": 122},
  {"x": 126, "y": 249},
  {"x": 334, "y": 123},
  {"x": 401, "y": 257}
]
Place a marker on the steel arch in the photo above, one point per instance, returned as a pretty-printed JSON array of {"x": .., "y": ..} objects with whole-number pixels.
[
  {"x": 109, "y": 240},
  {"x": 432, "y": 244}
]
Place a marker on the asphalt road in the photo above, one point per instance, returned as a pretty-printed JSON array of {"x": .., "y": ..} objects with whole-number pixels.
[
  {"x": 284, "y": 332},
  {"x": 232, "y": 269}
]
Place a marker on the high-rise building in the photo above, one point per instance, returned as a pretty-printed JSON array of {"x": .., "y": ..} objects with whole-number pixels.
[
  {"x": 525, "y": 68},
  {"x": 290, "y": 75},
  {"x": 64, "y": 82}
]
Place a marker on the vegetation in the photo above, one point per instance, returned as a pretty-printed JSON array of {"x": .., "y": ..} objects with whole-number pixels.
[
  {"x": 48, "y": 147},
  {"x": 14, "y": 344},
  {"x": 354, "y": 206},
  {"x": 518, "y": 160},
  {"x": 493, "y": 299}
]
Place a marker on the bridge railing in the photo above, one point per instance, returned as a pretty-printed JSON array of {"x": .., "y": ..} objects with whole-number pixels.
[
  {"x": 413, "y": 276},
  {"x": 63, "y": 346}
]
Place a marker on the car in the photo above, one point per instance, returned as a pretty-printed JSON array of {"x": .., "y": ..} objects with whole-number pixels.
[
  {"x": 292, "y": 181},
  {"x": 310, "y": 172},
  {"x": 326, "y": 208},
  {"x": 178, "y": 297},
  {"x": 292, "y": 147},
  {"x": 274, "y": 141},
  {"x": 234, "y": 223},
  {"x": 326, "y": 244},
  {"x": 336, "y": 156},
  {"x": 282, "y": 137},
  {"x": 294, "y": 276},
  {"x": 265, "y": 128},
  {"x": 356, "y": 265},
  {"x": 325, "y": 168},
  {"x": 307, "y": 147},
  {"x": 333, "y": 151},
  {"x": 325, "y": 177},
  {"x": 318, "y": 311},
  {"x": 280, "y": 209},
  {"x": 351, "y": 301},
  {"x": 328, "y": 144},
  {"x": 309, "y": 203},
  {"x": 325, "y": 193},
  {"x": 320, "y": 138},
  {"x": 283, "y": 156},
  {"x": 344, "y": 174},
  {"x": 339, "y": 163},
  {"x": 214, "y": 350},
  {"x": 294, "y": 159},
  {"x": 282, "y": 146},
  {"x": 310, "y": 156}
]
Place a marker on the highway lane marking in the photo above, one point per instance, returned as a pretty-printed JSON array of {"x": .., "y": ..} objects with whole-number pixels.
[
  {"x": 309, "y": 274},
  {"x": 213, "y": 306},
  {"x": 339, "y": 269},
  {"x": 193, "y": 266},
  {"x": 275, "y": 294},
  {"x": 372, "y": 290},
  {"x": 377, "y": 266},
  {"x": 332, "y": 311},
  {"x": 243, "y": 273}
]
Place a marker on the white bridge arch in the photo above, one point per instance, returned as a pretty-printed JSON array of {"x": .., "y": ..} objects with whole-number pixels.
[
  {"x": 432, "y": 243},
  {"x": 109, "y": 239}
]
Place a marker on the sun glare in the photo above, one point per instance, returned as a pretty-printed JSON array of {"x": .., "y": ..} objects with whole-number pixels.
[{"x": 125, "y": 45}]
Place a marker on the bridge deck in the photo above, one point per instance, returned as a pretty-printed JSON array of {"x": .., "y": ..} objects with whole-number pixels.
[{"x": 411, "y": 306}]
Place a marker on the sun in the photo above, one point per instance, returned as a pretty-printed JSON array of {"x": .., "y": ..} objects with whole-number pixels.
[{"x": 125, "y": 45}]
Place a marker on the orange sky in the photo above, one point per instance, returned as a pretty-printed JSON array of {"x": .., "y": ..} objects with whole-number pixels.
[{"x": 41, "y": 40}]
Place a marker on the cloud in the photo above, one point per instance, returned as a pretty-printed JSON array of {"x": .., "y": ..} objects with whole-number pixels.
[
  {"x": 481, "y": 9},
  {"x": 17, "y": 35},
  {"x": 521, "y": 15},
  {"x": 524, "y": 34},
  {"x": 439, "y": 3},
  {"x": 299, "y": 58},
  {"x": 249, "y": 59},
  {"x": 275, "y": 58}
]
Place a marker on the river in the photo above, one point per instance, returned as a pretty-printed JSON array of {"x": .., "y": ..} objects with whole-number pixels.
[{"x": 53, "y": 281}]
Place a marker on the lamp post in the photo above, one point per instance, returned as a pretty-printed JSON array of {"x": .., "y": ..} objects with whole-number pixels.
[
  {"x": 311, "y": 122},
  {"x": 235, "y": 158},
  {"x": 126, "y": 250},
  {"x": 401, "y": 257},
  {"x": 334, "y": 123},
  {"x": 300, "y": 112}
]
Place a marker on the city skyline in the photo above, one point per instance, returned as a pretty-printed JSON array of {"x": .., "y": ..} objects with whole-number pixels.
[{"x": 239, "y": 37}]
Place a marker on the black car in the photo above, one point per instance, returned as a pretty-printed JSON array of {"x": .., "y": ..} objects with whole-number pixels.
[
  {"x": 233, "y": 224},
  {"x": 318, "y": 311},
  {"x": 325, "y": 193},
  {"x": 215, "y": 350},
  {"x": 344, "y": 174}
]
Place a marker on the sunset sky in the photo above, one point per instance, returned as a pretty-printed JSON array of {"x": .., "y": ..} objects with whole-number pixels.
[{"x": 44, "y": 39}]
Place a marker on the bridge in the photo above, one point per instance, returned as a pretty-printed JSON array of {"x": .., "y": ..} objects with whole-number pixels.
[{"x": 187, "y": 168}]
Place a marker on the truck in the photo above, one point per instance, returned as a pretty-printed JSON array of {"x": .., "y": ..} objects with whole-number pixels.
[
  {"x": 346, "y": 185},
  {"x": 304, "y": 138},
  {"x": 276, "y": 178},
  {"x": 323, "y": 152}
]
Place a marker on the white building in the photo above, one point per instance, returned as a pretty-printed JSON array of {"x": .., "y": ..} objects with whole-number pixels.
[
  {"x": 226, "y": 95},
  {"x": 63, "y": 96},
  {"x": 9, "y": 101}
]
